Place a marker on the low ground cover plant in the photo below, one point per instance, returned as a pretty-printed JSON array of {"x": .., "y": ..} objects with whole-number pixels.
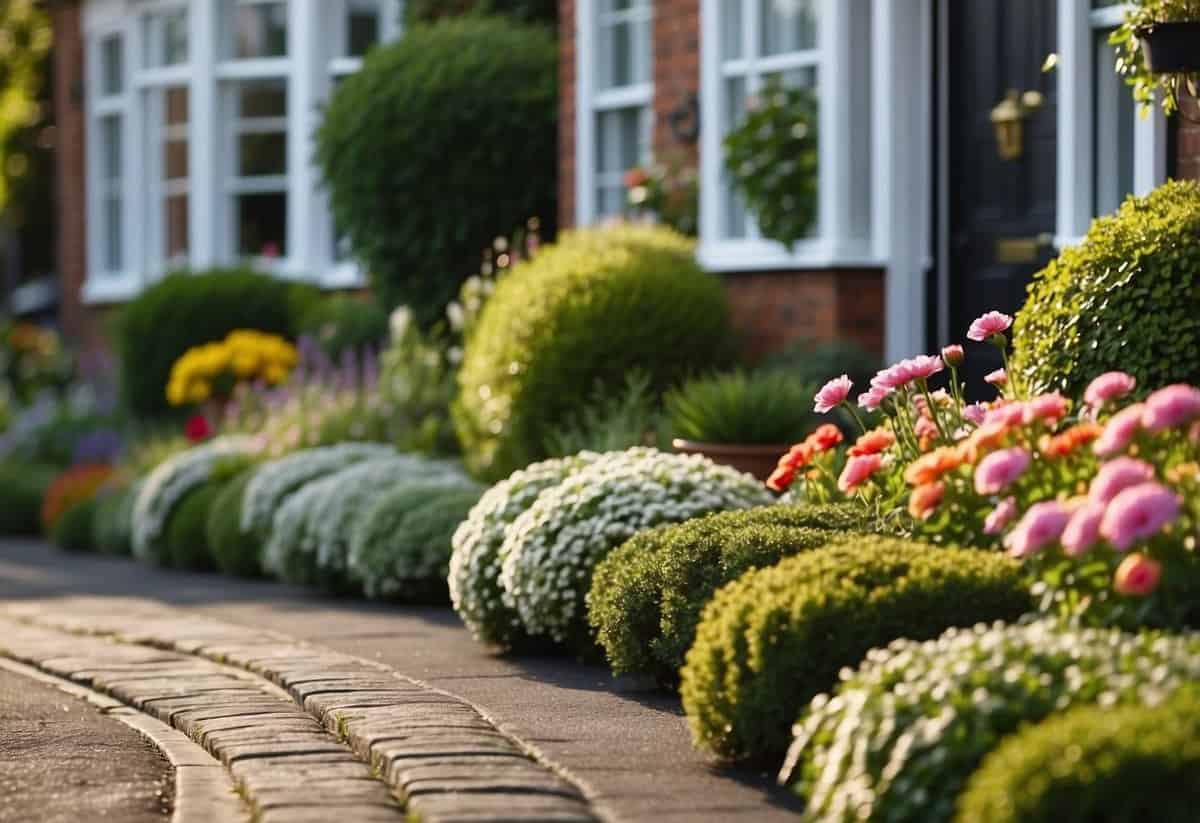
[
  {"x": 233, "y": 551},
  {"x": 22, "y": 489},
  {"x": 112, "y": 522},
  {"x": 72, "y": 530},
  {"x": 74, "y": 486}
]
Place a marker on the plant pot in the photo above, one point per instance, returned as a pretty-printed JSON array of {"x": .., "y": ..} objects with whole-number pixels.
[
  {"x": 1171, "y": 48},
  {"x": 757, "y": 460}
]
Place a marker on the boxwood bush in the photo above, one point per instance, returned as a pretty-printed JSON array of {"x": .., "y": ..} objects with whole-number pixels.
[
  {"x": 770, "y": 641},
  {"x": 187, "y": 309},
  {"x": 1131, "y": 764},
  {"x": 72, "y": 531},
  {"x": 187, "y": 528},
  {"x": 647, "y": 596},
  {"x": 471, "y": 106},
  {"x": 928, "y": 712},
  {"x": 233, "y": 551},
  {"x": 22, "y": 486},
  {"x": 112, "y": 525},
  {"x": 400, "y": 548},
  {"x": 580, "y": 315},
  {"x": 1125, "y": 298}
]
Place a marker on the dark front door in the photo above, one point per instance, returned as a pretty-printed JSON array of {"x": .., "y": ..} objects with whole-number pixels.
[{"x": 1001, "y": 210}]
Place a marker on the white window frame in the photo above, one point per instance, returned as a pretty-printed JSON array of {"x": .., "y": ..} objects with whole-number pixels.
[
  {"x": 840, "y": 239},
  {"x": 313, "y": 60},
  {"x": 591, "y": 101},
  {"x": 1077, "y": 24}
]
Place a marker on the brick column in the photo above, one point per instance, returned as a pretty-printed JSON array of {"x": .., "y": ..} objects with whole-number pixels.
[
  {"x": 566, "y": 113},
  {"x": 676, "y": 47},
  {"x": 1188, "y": 143}
]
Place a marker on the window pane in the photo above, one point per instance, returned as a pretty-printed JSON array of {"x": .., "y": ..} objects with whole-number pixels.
[
  {"x": 733, "y": 211},
  {"x": 257, "y": 29},
  {"x": 113, "y": 222},
  {"x": 175, "y": 144},
  {"x": 110, "y": 149},
  {"x": 176, "y": 225},
  {"x": 262, "y": 154},
  {"x": 112, "y": 65},
  {"x": 362, "y": 26},
  {"x": 1114, "y": 127},
  {"x": 166, "y": 36},
  {"x": 623, "y": 45},
  {"x": 787, "y": 26},
  {"x": 267, "y": 98},
  {"x": 261, "y": 225},
  {"x": 731, "y": 29},
  {"x": 620, "y": 140}
]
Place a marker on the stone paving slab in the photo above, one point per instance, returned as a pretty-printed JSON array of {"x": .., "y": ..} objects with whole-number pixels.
[
  {"x": 86, "y": 659},
  {"x": 404, "y": 729}
]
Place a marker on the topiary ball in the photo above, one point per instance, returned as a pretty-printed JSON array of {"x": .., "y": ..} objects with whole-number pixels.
[
  {"x": 1131, "y": 764},
  {"x": 112, "y": 525},
  {"x": 472, "y": 106},
  {"x": 401, "y": 544},
  {"x": 647, "y": 596},
  {"x": 772, "y": 640},
  {"x": 576, "y": 319},
  {"x": 1124, "y": 299},
  {"x": 233, "y": 551},
  {"x": 187, "y": 528},
  {"x": 72, "y": 530}
]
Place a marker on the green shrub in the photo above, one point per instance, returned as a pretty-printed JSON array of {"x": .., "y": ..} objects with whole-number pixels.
[
  {"x": 815, "y": 363},
  {"x": 187, "y": 528},
  {"x": 73, "y": 531},
  {"x": 471, "y": 106},
  {"x": 185, "y": 310},
  {"x": 22, "y": 486},
  {"x": 346, "y": 323},
  {"x": 765, "y": 407},
  {"x": 1125, "y": 298},
  {"x": 233, "y": 551},
  {"x": 549, "y": 335},
  {"x": 112, "y": 525},
  {"x": 532, "y": 11},
  {"x": 1131, "y": 764},
  {"x": 610, "y": 421},
  {"x": 775, "y": 638},
  {"x": 647, "y": 596},
  {"x": 904, "y": 731},
  {"x": 401, "y": 544}
]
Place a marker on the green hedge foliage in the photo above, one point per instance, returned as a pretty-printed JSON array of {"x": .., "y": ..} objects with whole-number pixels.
[
  {"x": 22, "y": 486},
  {"x": 233, "y": 551},
  {"x": 346, "y": 323},
  {"x": 1125, "y": 298},
  {"x": 112, "y": 525},
  {"x": 1132, "y": 764},
  {"x": 583, "y": 313},
  {"x": 73, "y": 531},
  {"x": 187, "y": 528},
  {"x": 186, "y": 310},
  {"x": 533, "y": 11},
  {"x": 647, "y": 596},
  {"x": 471, "y": 105},
  {"x": 772, "y": 640}
]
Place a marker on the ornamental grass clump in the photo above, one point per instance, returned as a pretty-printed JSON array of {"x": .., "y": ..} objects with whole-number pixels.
[
  {"x": 899, "y": 737},
  {"x": 646, "y": 597},
  {"x": 765, "y": 407},
  {"x": 776, "y": 637},
  {"x": 478, "y": 543},
  {"x": 400, "y": 548},
  {"x": 552, "y": 548}
]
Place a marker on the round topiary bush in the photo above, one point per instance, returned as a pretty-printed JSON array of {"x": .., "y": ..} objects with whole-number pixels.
[
  {"x": 552, "y": 548},
  {"x": 471, "y": 104},
  {"x": 1124, "y": 299},
  {"x": 112, "y": 525},
  {"x": 770, "y": 641},
  {"x": 928, "y": 712},
  {"x": 1132, "y": 764},
  {"x": 400, "y": 548},
  {"x": 72, "y": 530},
  {"x": 186, "y": 535},
  {"x": 476, "y": 559},
  {"x": 647, "y": 596},
  {"x": 578, "y": 318},
  {"x": 233, "y": 551}
]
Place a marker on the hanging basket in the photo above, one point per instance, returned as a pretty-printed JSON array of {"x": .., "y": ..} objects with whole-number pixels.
[{"x": 1171, "y": 48}]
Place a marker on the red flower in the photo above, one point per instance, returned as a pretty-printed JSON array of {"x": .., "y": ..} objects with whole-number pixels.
[
  {"x": 636, "y": 177},
  {"x": 873, "y": 442},
  {"x": 824, "y": 438},
  {"x": 198, "y": 429},
  {"x": 781, "y": 478}
]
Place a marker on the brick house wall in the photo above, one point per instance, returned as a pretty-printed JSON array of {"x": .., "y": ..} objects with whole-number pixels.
[{"x": 1187, "y": 143}]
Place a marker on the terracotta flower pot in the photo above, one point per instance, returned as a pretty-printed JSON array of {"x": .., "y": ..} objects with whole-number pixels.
[
  {"x": 758, "y": 460},
  {"x": 1171, "y": 47}
]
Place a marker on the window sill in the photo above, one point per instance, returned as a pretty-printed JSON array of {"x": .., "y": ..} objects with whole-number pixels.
[
  {"x": 111, "y": 289},
  {"x": 767, "y": 255}
]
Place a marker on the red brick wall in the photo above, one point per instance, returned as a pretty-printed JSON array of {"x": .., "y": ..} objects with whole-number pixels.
[
  {"x": 1188, "y": 143},
  {"x": 676, "y": 40},
  {"x": 566, "y": 113},
  {"x": 71, "y": 244}
]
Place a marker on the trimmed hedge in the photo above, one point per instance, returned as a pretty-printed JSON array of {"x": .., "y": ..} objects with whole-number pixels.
[
  {"x": 1132, "y": 764},
  {"x": 22, "y": 486},
  {"x": 185, "y": 310},
  {"x": 72, "y": 530},
  {"x": 578, "y": 318},
  {"x": 471, "y": 106},
  {"x": 647, "y": 596},
  {"x": 775, "y": 638},
  {"x": 235, "y": 552},
  {"x": 112, "y": 525},
  {"x": 346, "y": 323},
  {"x": 187, "y": 528},
  {"x": 1125, "y": 298}
]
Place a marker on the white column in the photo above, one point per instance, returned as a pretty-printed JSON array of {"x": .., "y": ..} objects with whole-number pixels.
[
  {"x": 585, "y": 122},
  {"x": 306, "y": 64},
  {"x": 204, "y": 175},
  {"x": 835, "y": 117},
  {"x": 1074, "y": 119}
]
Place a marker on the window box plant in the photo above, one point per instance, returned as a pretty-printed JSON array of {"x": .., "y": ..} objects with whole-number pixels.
[{"x": 1159, "y": 50}]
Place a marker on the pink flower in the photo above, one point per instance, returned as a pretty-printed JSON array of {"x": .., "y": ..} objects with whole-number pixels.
[
  {"x": 997, "y": 378},
  {"x": 899, "y": 375},
  {"x": 1108, "y": 386},
  {"x": 1172, "y": 406},
  {"x": 1083, "y": 530},
  {"x": 872, "y": 398},
  {"x": 832, "y": 394},
  {"x": 924, "y": 427},
  {"x": 1047, "y": 407},
  {"x": 1137, "y": 576},
  {"x": 988, "y": 325},
  {"x": 954, "y": 355},
  {"x": 924, "y": 366},
  {"x": 858, "y": 469},
  {"x": 1137, "y": 513},
  {"x": 1007, "y": 415},
  {"x": 1118, "y": 475},
  {"x": 999, "y": 469},
  {"x": 1041, "y": 525},
  {"x": 974, "y": 413},
  {"x": 888, "y": 379},
  {"x": 1119, "y": 431},
  {"x": 1000, "y": 516}
]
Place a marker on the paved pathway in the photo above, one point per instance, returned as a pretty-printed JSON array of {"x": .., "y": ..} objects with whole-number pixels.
[{"x": 626, "y": 747}]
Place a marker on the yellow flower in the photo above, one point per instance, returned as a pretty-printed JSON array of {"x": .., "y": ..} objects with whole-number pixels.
[
  {"x": 199, "y": 392},
  {"x": 275, "y": 374}
]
